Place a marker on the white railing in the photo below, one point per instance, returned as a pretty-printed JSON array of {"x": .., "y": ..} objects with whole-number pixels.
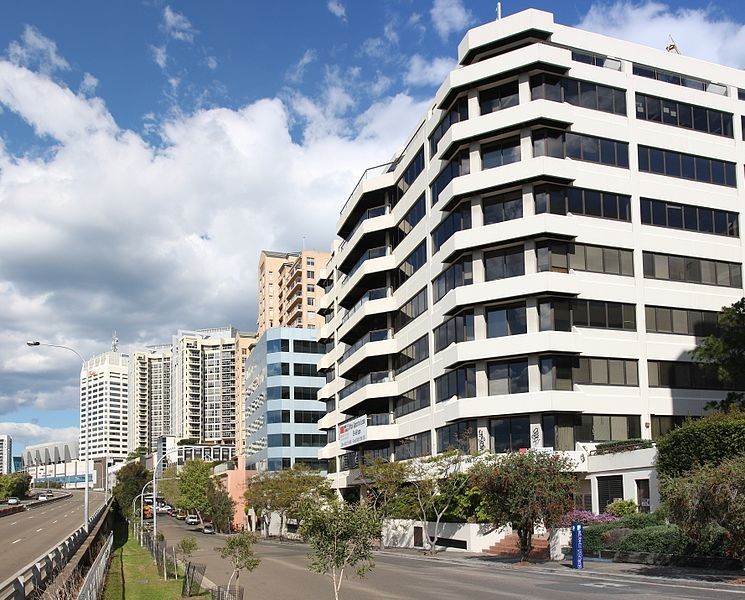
[{"x": 92, "y": 588}]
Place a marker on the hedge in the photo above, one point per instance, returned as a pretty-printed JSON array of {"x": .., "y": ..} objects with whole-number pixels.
[
  {"x": 642, "y": 520},
  {"x": 704, "y": 441},
  {"x": 663, "y": 539},
  {"x": 592, "y": 536},
  {"x": 622, "y": 446}
]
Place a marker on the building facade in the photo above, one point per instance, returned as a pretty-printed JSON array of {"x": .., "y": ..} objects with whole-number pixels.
[
  {"x": 59, "y": 462},
  {"x": 244, "y": 344},
  {"x": 288, "y": 295},
  {"x": 534, "y": 268},
  {"x": 104, "y": 392},
  {"x": 149, "y": 396},
  {"x": 6, "y": 454},
  {"x": 280, "y": 409}
]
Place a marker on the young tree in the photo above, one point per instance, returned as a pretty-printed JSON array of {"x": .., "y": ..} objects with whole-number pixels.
[
  {"x": 194, "y": 482},
  {"x": 260, "y": 494},
  {"x": 187, "y": 546},
  {"x": 385, "y": 482},
  {"x": 524, "y": 490},
  {"x": 130, "y": 480},
  {"x": 340, "y": 536},
  {"x": 723, "y": 353},
  {"x": 437, "y": 480},
  {"x": 221, "y": 507},
  {"x": 238, "y": 549},
  {"x": 168, "y": 486}
]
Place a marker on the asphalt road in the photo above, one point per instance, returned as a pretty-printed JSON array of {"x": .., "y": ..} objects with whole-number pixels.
[
  {"x": 283, "y": 575},
  {"x": 26, "y": 536}
]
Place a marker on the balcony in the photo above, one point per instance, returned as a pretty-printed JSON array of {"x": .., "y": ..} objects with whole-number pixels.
[
  {"x": 372, "y": 336},
  {"x": 375, "y": 294},
  {"x": 370, "y": 213},
  {"x": 370, "y": 378},
  {"x": 371, "y": 253}
]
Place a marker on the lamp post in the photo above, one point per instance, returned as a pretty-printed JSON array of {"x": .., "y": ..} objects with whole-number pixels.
[
  {"x": 85, "y": 425},
  {"x": 155, "y": 491}
]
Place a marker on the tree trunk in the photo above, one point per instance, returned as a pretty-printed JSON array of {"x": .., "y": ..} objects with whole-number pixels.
[{"x": 525, "y": 535}]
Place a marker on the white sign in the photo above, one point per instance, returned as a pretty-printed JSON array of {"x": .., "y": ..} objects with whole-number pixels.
[{"x": 353, "y": 432}]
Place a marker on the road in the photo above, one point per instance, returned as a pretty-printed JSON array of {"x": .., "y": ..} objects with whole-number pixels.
[
  {"x": 26, "y": 536},
  {"x": 283, "y": 575}
]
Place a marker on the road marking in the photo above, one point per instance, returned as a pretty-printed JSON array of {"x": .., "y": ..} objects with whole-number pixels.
[
  {"x": 14, "y": 522},
  {"x": 606, "y": 584},
  {"x": 18, "y": 540},
  {"x": 38, "y": 530},
  {"x": 54, "y": 521}
]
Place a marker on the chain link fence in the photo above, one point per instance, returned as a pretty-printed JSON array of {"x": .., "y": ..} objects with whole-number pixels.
[
  {"x": 92, "y": 588},
  {"x": 223, "y": 592}
]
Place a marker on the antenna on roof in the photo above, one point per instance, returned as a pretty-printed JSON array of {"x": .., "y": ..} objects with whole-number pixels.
[
  {"x": 672, "y": 46},
  {"x": 499, "y": 11},
  {"x": 114, "y": 343}
]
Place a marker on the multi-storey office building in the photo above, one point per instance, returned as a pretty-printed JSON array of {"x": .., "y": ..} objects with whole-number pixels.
[
  {"x": 6, "y": 454},
  {"x": 149, "y": 396},
  {"x": 536, "y": 265},
  {"x": 244, "y": 344},
  {"x": 104, "y": 393},
  {"x": 288, "y": 294},
  {"x": 280, "y": 409}
]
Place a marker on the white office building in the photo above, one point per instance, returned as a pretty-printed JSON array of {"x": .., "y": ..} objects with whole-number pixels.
[
  {"x": 149, "y": 396},
  {"x": 536, "y": 264},
  {"x": 6, "y": 454}
]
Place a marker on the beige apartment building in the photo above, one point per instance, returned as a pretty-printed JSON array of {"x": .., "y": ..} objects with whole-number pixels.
[
  {"x": 149, "y": 396},
  {"x": 288, "y": 294}
]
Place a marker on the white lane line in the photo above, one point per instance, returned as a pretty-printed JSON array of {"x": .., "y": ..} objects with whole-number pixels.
[
  {"x": 38, "y": 530},
  {"x": 53, "y": 522},
  {"x": 14, "y": 522},
  {"x": 18, "y": 540}
]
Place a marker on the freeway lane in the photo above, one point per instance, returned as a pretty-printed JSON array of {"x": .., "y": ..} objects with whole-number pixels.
[{"x": 27, "y": 535}]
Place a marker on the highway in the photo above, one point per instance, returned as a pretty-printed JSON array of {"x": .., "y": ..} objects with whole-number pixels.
[{"x": 27, "y": 535}]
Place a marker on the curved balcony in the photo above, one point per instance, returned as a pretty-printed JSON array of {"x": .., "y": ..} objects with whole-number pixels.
[
  {"x": 377, "y": 384},
  {"x": 373, "y": 221},
  {"x": 369, "y": 254},
  {"x": 372, "y": 336},
  {"x": 373, "y": 179}
]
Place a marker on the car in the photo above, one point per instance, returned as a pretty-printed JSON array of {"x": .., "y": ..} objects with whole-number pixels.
[
  {"x": 192, "y": 520},
  {"x": 49, "y": 493},
  {"x": 180, "y": 516},
  {"x": 208, "y": 528},
  {"x": 171, "y": 512},
  {"x": 13, "y": 500},
  {"x": 43, "y": 496}
]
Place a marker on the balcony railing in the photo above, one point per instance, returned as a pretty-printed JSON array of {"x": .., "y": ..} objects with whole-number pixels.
[
  {"x": 370, "y": 378},
  {"x": 372, "y": 336},
  {"x": 370, "y": 213},
  {"x": 376, "y": 419},
  {"x": 371, "y": 253},
  {"x": 374, "y": 294}
]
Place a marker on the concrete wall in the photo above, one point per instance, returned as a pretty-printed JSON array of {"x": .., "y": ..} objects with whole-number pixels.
[{"x": 399, "y": 533}]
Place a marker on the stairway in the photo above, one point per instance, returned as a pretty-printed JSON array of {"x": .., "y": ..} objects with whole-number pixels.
[{"x": 509, "y": 546}]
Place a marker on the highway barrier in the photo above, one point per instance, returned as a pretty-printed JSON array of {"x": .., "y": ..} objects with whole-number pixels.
[
  {"x": 93, "y": 583},
  {"x": 33, "y": 578}
]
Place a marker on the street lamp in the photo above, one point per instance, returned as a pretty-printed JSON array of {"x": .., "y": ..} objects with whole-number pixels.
[
  {"x": 33, "y": 343},
  {"x": 155, "y": 490}
]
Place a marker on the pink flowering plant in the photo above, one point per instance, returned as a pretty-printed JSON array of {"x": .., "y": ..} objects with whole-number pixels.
[{"x": 585, "y": 517}]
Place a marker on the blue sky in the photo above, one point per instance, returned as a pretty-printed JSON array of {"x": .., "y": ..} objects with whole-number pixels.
[{"x": 149, "y": 151}]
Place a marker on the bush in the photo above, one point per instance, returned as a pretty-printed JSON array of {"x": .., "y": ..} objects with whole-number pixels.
[
  {"x": 663, "y": 539},
  {"x": 611, "y": 540},
  {"x": 621, "y": 508},
  {"x": 585, "y": 517},
  {"x": 642, "y": 520},
  {"x": 622, "y": 446},
  {"x": 593, "y": 536}
]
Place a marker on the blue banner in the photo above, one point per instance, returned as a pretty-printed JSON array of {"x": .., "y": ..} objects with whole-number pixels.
[{"x": 578, "y": 550}]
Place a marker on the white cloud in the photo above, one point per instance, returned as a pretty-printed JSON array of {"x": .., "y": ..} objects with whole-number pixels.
[
  {"x": 380, "y": 85},
  {"x": 178, "y": 26},
  {"x": 337, "y": 9},
  {"x": 36, "y": 51},
  {"x": 160, "y": 56},
  {"x": 296, "y": 72},
  {"x": 26, "y": 434},
  {"x": 423, "y": 72},
  {"x": 211, "y": 62},
  {"x": 699, "y": 32},
  {"x": 88, "y": 85},
  {"x": 449, "y": 16}
]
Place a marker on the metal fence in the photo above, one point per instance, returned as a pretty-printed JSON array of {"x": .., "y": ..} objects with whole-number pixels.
[
  {"x": 92, "y": 587},
  {"x": 223, "y": 592}
]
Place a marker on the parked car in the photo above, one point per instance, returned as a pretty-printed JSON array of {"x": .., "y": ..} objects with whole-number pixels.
[
  {"x": 172, "y": 512},
  {"x": 49, "y": 493},
  {"x": 13, "y": 500},
  {"x": 43, "y": 496},
  {"x": 192, "y": 520},
  {"x": 180, "y": 515},
  {"x": 208, "y": 528}
]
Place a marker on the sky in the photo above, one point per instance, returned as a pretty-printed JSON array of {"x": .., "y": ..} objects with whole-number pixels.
[{"x": 150, "y": 150}]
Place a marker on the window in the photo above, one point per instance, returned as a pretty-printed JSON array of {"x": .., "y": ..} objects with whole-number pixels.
[
  {"x": 413, "y": 446},
  {"x": 678, "y": 79},
  {"x": 687, "y": 166},
  {"x": 562, "y": 256},
  {"x": 460, "y": 382},
  {"x": 662, "y": 424},
  {"x": 510, "y": 435},
  {"x": 577, "y": 92},
  {"x": 662, "y": 319},
  {"x": 305, "y": 393},
  {"x": 503, "y": 208},
  {"x": 310, "y": 440},
  {"x": 458, "y": 220},
  {"x": 411, "y": 218},
  {"x": 454, "y": 330},
  {"x": 458, "y": 274},
  {"x": 412, "y": 401},
  {"x": 277, "y": 346},
  {"x": 505, "y": 320},
  {"x": 278, "y": 416},
  {"x": 308, "y": 416},
  {"x": 501, "y": 264},
  {"x": 308, "y": 347},
  {"x": 311, "y": 287},
  {"x": 508, "y": 377},
  {"x": 682, "y": 375},
  {"x": 500, "y": 153},
  {"x": 460, "y": 436},
  {"x": 276, "y": 440},
  {"x": 278, "y": 393},
  {"x": 596, "y": 60},
  {"x": 410, "y": 265},
  {"x": 561, "y": 372},
  {"x": 278, "y": 464},
  {"x": 273, "y": 369},
  {"x": 310, "y": 261},
  {"x": 692, "y": 270},
  {"x": 559, "y": 314},
  {"x": 560, "y": 144},
  {"x": 458, "y": 166},
  {"x": 498, "y": 98},
  {"x": 562, "y": 200},
  {"x": 458, "y": 112},
  {"x": 331, "y": 435},
  {"x": 688, "y": 217},
  {"x": 412, "y": 355},
  {"x": 679, "y": 114},
  {"x": 410, "y": 311},
  {"x": 305, "y": 369},
  {"x": 311, "y": 302},
  {"x": 610, "y": 489}
]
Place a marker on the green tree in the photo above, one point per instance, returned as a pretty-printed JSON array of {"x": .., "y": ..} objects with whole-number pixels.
[
  {"x": 524, "y": 490},
  {"x": 238, "y": 549},
  {"x": 385, "y": 482},
  {"x": 723, "y": 354},
  {"x": 710, "y": 498},
  {"x": 130, "y": 480},
  {"x": 340, "y": 536},
  {"x": 138, "y": 453},
  {"x": 194, "y": 483},
  {"x": 222, "y": 506},
  {"x": 168, "y": 486}
]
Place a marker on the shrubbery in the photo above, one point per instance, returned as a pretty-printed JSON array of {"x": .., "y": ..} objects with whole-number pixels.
[
  {"x": 642, "y": 520},
  {"x": 592, "y": 536},
  {"x": 621, "y": 508},
  {"x": 664, "y": 539}
]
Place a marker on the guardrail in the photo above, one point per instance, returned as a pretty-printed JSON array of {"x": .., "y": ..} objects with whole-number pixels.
[
  {"x": 96, "y": 576},
  {"x": 38, "y": 574}
]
